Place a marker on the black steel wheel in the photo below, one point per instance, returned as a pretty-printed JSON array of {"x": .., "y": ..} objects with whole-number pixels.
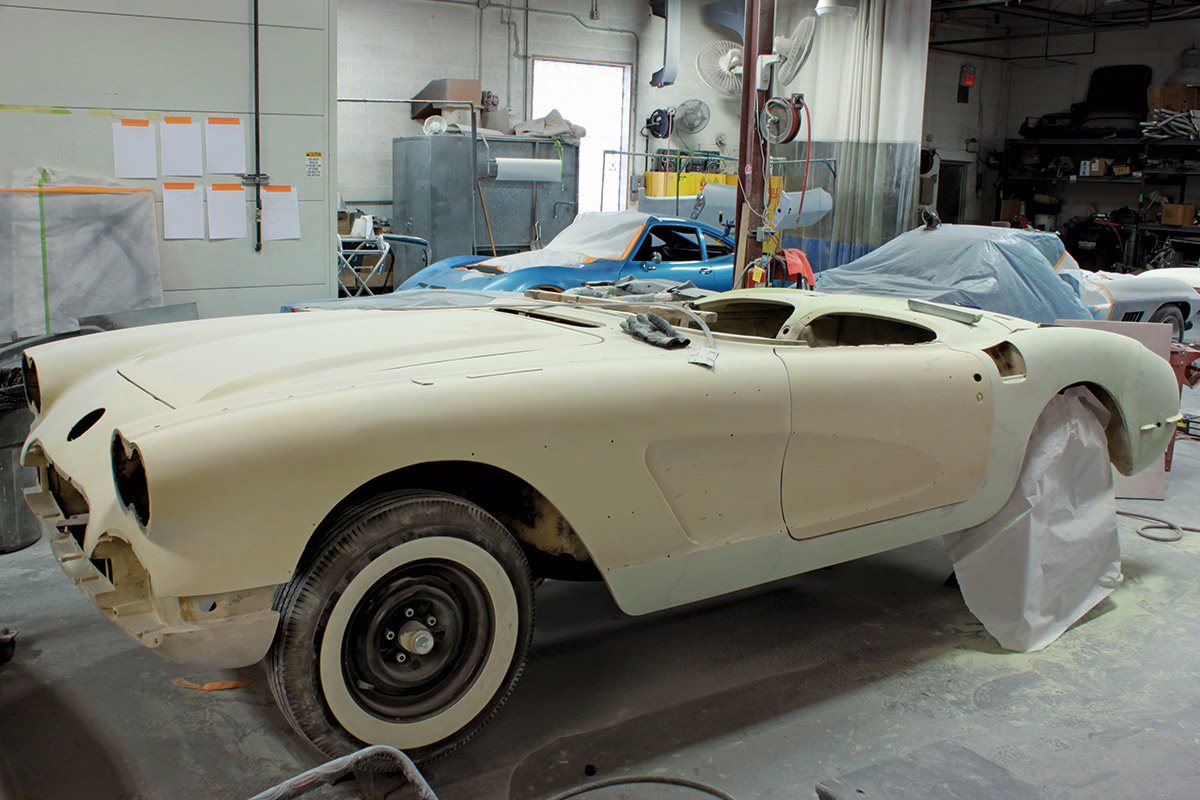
[{"x": 407, "y": 624}]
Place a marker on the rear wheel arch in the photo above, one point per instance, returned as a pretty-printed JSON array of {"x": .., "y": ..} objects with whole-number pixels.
[{"x": 551, "y": 545}]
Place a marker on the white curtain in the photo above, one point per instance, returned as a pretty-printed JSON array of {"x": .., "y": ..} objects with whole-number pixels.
[{"x": 864, "y": 83}]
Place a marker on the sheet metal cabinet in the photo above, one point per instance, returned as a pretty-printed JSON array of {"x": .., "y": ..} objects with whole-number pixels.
[{"x": 434, "y": 195}]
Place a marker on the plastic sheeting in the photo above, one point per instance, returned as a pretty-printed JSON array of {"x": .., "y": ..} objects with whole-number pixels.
[
  {"x": 997, "y": 269},
  {"x": 593, "y": 235},
  {"x": 72, "y": 251},
  {"x": 1051, "y": 553}
]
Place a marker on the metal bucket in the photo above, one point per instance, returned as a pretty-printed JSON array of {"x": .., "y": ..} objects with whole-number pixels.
[{"x": 18, "y": 526}]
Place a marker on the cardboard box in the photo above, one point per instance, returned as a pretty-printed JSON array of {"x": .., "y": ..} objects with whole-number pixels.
[
  {"x": 1122, "y": 170},
  {"x": 1178, "y": 214},
  {"x": 343, "y": 223},
  {"x": 1173, "y": 98},
  {"x": 1011, "y": 208}
]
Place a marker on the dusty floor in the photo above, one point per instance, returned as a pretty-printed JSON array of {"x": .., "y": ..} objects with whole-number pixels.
[{"x": 763, "y": 694}]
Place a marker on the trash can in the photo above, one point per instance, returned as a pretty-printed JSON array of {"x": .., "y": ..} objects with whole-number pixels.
[{"x": 18, "y": 526}]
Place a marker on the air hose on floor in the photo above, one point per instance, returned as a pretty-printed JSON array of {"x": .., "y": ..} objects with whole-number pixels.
[{"x": 1158, "y": 524}]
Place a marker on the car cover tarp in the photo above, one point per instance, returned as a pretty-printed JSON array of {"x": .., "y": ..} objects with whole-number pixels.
[
  {"x": 996, "y": 269},
  {"x": 593, "y": 235}
]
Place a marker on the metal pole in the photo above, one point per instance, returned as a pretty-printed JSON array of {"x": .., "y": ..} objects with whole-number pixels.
[
  {"x": 257, "y": 146},
  {"x": 760, "y": 29},
  {"x": 476, "y": 189}
]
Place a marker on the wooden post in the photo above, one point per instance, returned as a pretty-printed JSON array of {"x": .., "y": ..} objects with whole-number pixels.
[{"x": 759, "y": 39}]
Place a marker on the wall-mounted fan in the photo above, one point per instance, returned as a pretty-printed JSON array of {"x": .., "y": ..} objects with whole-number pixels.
[
  {"x": 691, "y": 116},
  {"x": 720, "y": 66},
  {"x": 794, "y": 50},
  {"x": 720, "y": 63}
]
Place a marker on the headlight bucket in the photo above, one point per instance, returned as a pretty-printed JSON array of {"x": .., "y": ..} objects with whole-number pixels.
[{"x": 129, "y": 474}]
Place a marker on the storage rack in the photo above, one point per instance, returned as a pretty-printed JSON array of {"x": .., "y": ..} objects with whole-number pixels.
[{"x": 1143, "y": 235}]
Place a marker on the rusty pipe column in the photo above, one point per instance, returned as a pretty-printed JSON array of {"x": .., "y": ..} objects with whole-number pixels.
[{"x": 759, "y": 40}]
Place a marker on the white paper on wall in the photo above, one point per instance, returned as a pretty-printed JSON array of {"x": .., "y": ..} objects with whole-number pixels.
[
  {"x": 225, "y": 145},
  {"x": 183, "y": 211},
  {"x": 135, "y": 152},
  {"x": 226, "y": 211},
  {"x": 280, "y": 213},
  {"x": 182, "y": 151}
]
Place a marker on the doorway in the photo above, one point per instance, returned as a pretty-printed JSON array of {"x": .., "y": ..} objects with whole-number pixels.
[
  {"x": 596, "y": 96},
  {"x": 952, "y": 191}
]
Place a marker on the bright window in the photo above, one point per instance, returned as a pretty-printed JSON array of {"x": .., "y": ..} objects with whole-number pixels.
[{"x": 595, "y": 96}]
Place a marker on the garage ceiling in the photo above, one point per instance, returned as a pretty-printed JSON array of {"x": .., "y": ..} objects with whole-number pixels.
[{"x": 1002, "y": 20}]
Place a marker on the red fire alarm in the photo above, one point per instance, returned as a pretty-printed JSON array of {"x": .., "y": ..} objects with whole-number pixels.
[{"x": 966, "y": 79}]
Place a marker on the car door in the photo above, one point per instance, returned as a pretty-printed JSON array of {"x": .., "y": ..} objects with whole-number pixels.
[
  {"x": 671, "y": 252},
  {"x": 719, "y": 254},
  {"x": 883, "y": 425}
]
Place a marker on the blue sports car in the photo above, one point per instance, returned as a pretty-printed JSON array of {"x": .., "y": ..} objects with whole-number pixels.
[{"x": 597, "y": 246}]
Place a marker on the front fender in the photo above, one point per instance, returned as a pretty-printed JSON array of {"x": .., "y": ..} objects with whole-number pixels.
[
  {"x": 447, "y": 273},
  {"x": 557, "y": 277}
]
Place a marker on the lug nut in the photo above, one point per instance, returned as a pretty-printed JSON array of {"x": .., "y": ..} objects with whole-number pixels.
[
  {"x": 390, "y": 635},
  {"x": 431, "y": 621},
  {"x": 401, "y": 658},
  {"x": 408, "y": 612}
]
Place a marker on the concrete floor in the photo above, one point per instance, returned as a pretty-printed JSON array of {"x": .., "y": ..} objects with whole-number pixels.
[{"x": 763, "y": 693}]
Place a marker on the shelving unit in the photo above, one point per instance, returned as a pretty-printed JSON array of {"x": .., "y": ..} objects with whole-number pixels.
[{"x": 1142, "y": 237}]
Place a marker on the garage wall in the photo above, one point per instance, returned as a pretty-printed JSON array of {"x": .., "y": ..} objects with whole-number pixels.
[
  {"x": 96, "y": 59},
  {"x": 948, "y": 124},
  {"x": 1040, "y": 87},
  {"x": 393, "y": 48}
]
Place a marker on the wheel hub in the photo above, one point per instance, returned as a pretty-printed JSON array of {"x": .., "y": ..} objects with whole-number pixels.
[
  {"x": 416, "y": 638},
  {"x": 416, "y": 641}
]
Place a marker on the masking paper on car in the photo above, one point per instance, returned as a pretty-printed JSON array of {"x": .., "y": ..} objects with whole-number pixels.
[
  {"x": 72, "y": 251},
  {"x": 593, "y": 235},
  {"x": 996, "y": 269},
  {"x": 1051, "y": 553}
]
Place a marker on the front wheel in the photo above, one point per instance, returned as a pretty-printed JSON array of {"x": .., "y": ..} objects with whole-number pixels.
[
  {"x": 407, "y": 626},
  {"x": 1172, "y": 316}
]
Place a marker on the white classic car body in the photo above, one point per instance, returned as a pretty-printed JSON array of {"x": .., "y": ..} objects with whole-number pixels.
[{"x": 830, "y": 428}]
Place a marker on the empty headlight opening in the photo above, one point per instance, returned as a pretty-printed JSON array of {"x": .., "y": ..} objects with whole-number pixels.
[
  {"x": 130, "y": 475},
  {"x": 33, "y": 392}
]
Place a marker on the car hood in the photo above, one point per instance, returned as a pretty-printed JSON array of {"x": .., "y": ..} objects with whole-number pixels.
[
  {"x": 450, "y": 277},
  {"x": 286, "y": 352}
]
